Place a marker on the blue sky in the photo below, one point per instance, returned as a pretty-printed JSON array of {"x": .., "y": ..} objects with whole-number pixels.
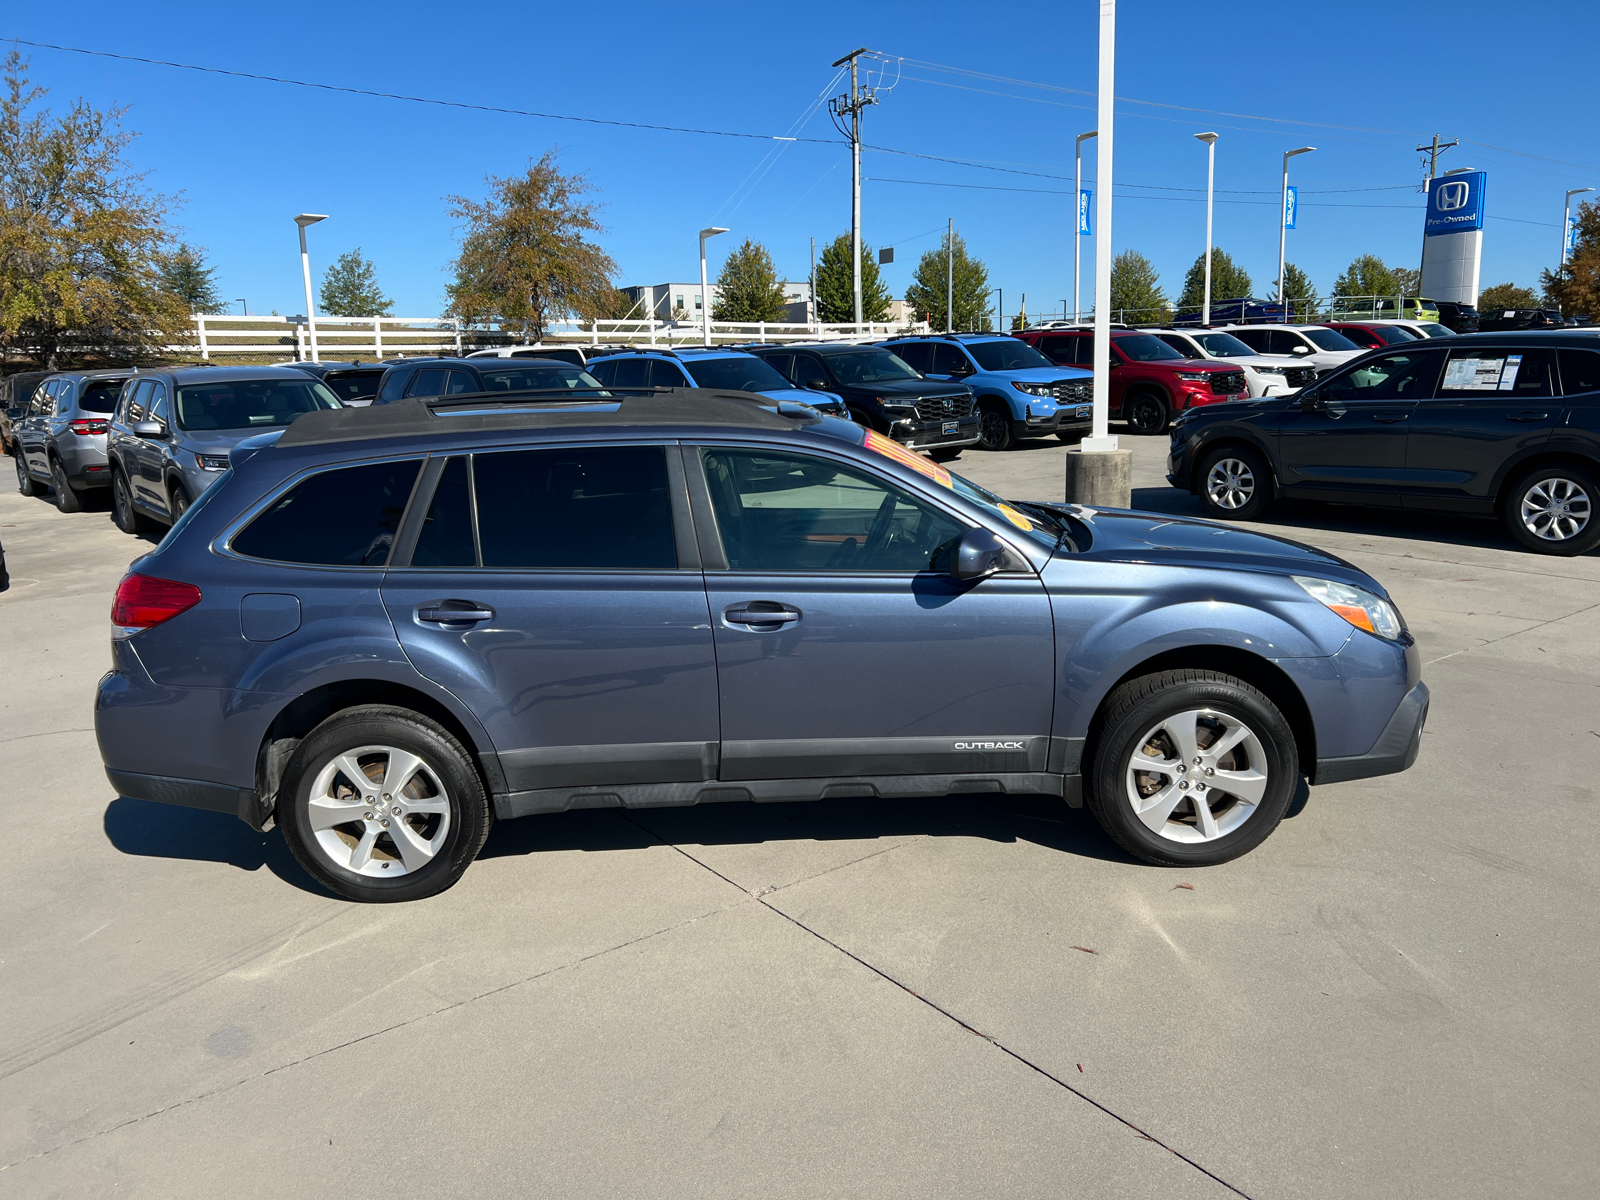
[{"x": 1369, "y": 83}]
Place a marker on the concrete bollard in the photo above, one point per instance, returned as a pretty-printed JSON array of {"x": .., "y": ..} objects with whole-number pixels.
[{"x": 1100, "y": 478}]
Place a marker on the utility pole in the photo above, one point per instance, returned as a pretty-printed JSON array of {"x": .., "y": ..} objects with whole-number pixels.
[
  {"x": 1433, "y": 150},
  {"x": 850, "y": 107},
  {"x": 950, "y": 278}
]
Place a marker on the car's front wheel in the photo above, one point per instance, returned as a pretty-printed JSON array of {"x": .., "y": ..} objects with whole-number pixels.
[
  {"x": 123, "y": 514},
  {"x": 25, "y": 483},
  {"x": 1147, "y": 413},
  {"x": 945, "y": 455},
  {"x": 994, "y": 427},
  {"x": 1235, "y": 484},
  {"x": 1552, "y": 510},
  {"x": 1190, "y": 768},
  {"x": 381, "y": 804}
]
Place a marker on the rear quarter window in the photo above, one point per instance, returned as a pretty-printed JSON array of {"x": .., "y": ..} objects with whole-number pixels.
[{"x": 346, "y": 517}]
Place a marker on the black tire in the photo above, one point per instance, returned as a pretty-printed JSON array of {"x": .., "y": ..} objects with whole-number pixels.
[
  {"x": 1555, "y": 509},
  {"x": 1136, "y": 711},
  {"x": 1235, "y": 484},
  {"x": 465, "y": 817},
  {"x": 945, "y": 455},
  {"x": 25, "y": 483},
  {"x": 1146, "y": 413},
  {"x": 1071, "y": 439},
  {"x": 67, "y": 500},
  {"x": 123, "y": 514},
  {"x": 994, "y": 426},
  {"x": 178, "y": 501}
]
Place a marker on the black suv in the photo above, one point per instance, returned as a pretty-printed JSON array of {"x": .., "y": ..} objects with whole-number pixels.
[
  {"x": 883, "y": 392},
  {"x": 426, "y": 377},
  {"x": 1499, "y": 425},
  {"x": 354, "y": 383},
  {"x": 1461, "y": 318},
  {"x": 1505, "y": 320}
]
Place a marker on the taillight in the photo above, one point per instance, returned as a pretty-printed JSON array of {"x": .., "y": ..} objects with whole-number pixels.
[
  {"x": 143, "y": 601},
  {"x": 84, "y": 427}
]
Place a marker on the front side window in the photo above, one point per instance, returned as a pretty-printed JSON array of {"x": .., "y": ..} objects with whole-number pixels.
[
  {"x": 1507, "y": 374},
  {"x": 1224, "y": 345},
  {"x": 1328, "y": 339},
  {"x": 250, "y": 403},
  {"x": 352, "y": 385},
  {"x": 340, "y": 518},
  {"x": 870, "y": 366},
  {"x": 665, "y": 374},
  {"x": 786, "y": 512},
  {"x": 948, "y": 360},
  {"x": 746, "y": 373},
  {"x": 158, "y": 404},
  {"x": 139, "y": 400},
  {"x": 1144, "y": 347},
  {"x": 1399, "y": 376},
  {"x": 917, "y": 355},
  {"x": 1256, "y": 339},
  {"x": 808, "y": 372},
  {"x": 1008, "y": 354},
  {"x": 427, "y": 382}
]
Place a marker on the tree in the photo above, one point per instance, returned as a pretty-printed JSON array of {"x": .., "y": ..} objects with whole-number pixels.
[
  {"x": 928, "y": 289},
  {"x": 1229, "y": 281},
  {"x": 748, "y": 287},
  {"x": 1367, "y": 276},
  {"x": 184, "y": 273},
  {"x": 1576, "y": 287},
  {"x": 1408, "y": 281},
  {"x": 82, "y": 243},
  {"x": 1506, "y": 295},
  {"x": 1300, "y": 292},
  {"x": 523, "y": 258},
  {"x": 1136, "y": 293},
  {"x": 836, "y": 304},
  {"x": 350, "y": 288}
]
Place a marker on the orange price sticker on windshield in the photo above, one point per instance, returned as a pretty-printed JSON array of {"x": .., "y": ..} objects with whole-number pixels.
[
  {"x": 890, "y": 448},
  {"x": 1016, "y": 518}
]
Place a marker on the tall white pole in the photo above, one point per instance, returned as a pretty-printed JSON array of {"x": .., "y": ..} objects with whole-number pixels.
[
  {"x": 1077, "y": 233},
  {"x": 1566, "y": 221},
  {"x": 1283, "y": 223},
  {"x": 705, "y": 296},
  {"x": 302, "y": 221},
  {"x": 1210, "y": 139},
  {"x": 950, "y": 278},
  {"x": 1100, "y": 438}
]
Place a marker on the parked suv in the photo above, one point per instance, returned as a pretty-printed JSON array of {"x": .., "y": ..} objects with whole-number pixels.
[
  {"x": 1458, "y": 318},
  {"x": 883, "y": 392},
  {"x": 424, "y": 377},
  {"x": 1317, "y": 345},
  {"x": 1500, "y": 425},
  {"x": 61, "y": 439},
  {"x": 1505, "y": 320},
  {"x": 1246, "y": 310},
  {"x": 731, "y": 370},
  {"x": 384, "y": 629},
  {"x": 576, "y": 355},
  {"x": 1150, "y": 381},
  {"x": 16, "y": 391},
  {"x": 1020, "y": 393},
  {"x": 355, "y": 384},
  {"x": 172, "y": 432},
  {"x": 1262, "y": 376},
  {"x": 1375, "y": 335}
]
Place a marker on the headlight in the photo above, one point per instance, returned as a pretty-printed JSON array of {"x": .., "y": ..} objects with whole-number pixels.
[
  {"x": 1356, "y": 605},
  {"x": 1194, "y": 376},
  {"x": 1034, "y": 389},
  {"x": 212, "y": 462},
  {"x": 1267, "y": 370}
]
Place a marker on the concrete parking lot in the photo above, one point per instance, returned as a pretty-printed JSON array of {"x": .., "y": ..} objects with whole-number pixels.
[{"x": 1394, "y": 996}]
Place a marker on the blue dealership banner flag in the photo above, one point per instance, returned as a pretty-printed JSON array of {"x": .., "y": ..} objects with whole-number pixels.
[
  {"x": 1291, "y": 202},
  {"x": 1572, "y": 234},
  {"x": 1083, "y": 213}
]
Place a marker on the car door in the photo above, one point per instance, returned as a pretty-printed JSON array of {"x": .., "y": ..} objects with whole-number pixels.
[
  {"x": 556, "y": 591},
  {"x": 843, "y": 649},
  {"x": 30, "y": 432},
  {"x": 1345, "y": 439},
  {"x": 1492, "y": 404},
  {"x": 150, "y": 485}
]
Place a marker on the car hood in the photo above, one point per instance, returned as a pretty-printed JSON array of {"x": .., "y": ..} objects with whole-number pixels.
[
  {"x": 1121, "y": 535},
  {"x": 1043, "y": 374},
  {"x": 912, "y": 387},
  {"x": 1188, "y": 364},
  {"x": 800, "y": 395}
]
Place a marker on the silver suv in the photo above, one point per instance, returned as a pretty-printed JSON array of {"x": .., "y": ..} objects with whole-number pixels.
[
  {"x": 172, "y": 430},
  {"x": 60, "y": 437}
]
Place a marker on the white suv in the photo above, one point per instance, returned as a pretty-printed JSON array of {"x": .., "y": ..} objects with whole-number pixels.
[
  {"x": 1263, "y": 376},
  {"x": 1317, "y": 345}
]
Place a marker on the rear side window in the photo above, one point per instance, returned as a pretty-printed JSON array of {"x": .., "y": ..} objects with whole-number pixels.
[
  {"x": 1256, "y": 339},
  {"x": 341, "y": 518},
  {"x": 627, "y": 373},
  {"x": 1580, "y": 371},
  {"x": 665, "y": 374},
  {"x": 917, "y": 354},
  {"x": 948, "y": 360},
  {"x": 428, "y": 382},
  {"x": 583, "y": 508},
  {"x": 100, "y": 397}
]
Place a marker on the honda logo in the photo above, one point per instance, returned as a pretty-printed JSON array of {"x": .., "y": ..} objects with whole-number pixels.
[
  {"x": 949, "y": 404},
  {"x": 1447, "y": 197}
]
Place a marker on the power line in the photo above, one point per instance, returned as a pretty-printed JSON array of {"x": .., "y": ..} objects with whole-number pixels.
[{"x": 983, "y": 187}]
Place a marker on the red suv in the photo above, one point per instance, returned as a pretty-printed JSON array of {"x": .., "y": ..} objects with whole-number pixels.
[{"x": 1150, "y": 381}]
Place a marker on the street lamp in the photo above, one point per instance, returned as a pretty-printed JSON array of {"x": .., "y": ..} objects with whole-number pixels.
[
  {"x": 705, "y": 291},
  {"x": 244, "y": 308},
  {"x": 1000, "y": 310},
  {"x": 1210, "y": 139},
  {"x": 303, "y": 220},
  {"x": 1283, "y": 220},
  {"x": 1077, "y": 219},
  {"x": 1566, "y": 221}
]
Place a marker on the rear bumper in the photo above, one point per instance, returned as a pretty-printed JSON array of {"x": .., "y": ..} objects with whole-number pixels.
[
  {"x": 186, "y": 793},
  {"x": 1396, "y": 747}
]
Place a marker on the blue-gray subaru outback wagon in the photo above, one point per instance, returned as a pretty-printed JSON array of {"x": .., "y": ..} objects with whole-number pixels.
[{"x": 383, "y": 628}]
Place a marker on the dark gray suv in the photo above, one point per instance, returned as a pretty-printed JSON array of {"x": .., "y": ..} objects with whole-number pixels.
[
  {"x": 61, "y": 436},
  {"x": 384, "y": 628}
]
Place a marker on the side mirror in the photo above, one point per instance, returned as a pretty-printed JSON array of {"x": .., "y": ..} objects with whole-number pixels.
[
  {"x": 1301, "y": 350},
  {"x": 817, "y": 385},
  {"x": 979, "y": 553},
  {"x": 14, "y": 414},
  {"x": 149, "y": 429}
]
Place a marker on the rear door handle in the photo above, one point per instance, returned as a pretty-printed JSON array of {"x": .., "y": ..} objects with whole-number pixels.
[
  {"x": 765, "y": 619},
  {"x": 1527, "y": 415},
  {"x": 454, "y": 612}
]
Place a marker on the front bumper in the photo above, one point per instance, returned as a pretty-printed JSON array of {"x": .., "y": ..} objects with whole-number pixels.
[
  {"x": 1396, "y": 747},
  {"x": 938, "y": 434}
]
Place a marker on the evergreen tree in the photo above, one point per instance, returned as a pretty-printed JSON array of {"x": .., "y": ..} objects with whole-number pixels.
[
  {"x": 1229, "y": 281},
  {"x": 1367, "y": 276},
  {"x": 1408, "y": 280},
  {"x": 1136, "y": 293},
  {"x": 1506, "y": 295},
  {"x": 929, "y": 287},
  {"x": 748, "y": 287},
  {"x": 1300, "y": 292},
  {"x": 350, "y": 288},
  {"x": 184, "y": 273},
  {"x": 835, "y": 300}
]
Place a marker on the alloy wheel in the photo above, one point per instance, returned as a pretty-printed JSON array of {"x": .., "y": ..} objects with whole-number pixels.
[
  {"x": 1197, "y": 776},
  {"x": 994, "y": 430},
  {"x": 1230, "y": 483},
  {"x": 378, "y": 811},
  {"x": 1147, "y": 415},
  {"x": 24, "y": 480},
  {"x": 1556, "y": 509}
]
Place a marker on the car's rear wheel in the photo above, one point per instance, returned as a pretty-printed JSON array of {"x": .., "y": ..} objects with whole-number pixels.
[
  {"x": 381, "y": 804},
  {"x": 67, "y": 500},
  {"x": 25, "y": 483},
  {"x": 1146, "y": 413},
  {"x": 1235, "y": 484},
  {"x": 1190, "y": 768},
  {"x": 1553, "y": 510},
  {"x": 994, "y": 426}
]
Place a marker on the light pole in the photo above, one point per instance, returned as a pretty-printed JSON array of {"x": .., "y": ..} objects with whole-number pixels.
[
  {"x": 1283, "y": 221},
  {"x": 1077, "y": 221},
  {"x": 1566, "y": 222},
  {"x": 244, "y": 308},
  {"x": 705, "y": 291},
  {"x": 303, "y": 220},
  {"x": 1000, "y": 310},
  {"x": 949, "y": 278},
  {"x": 1210, "y": 139}
]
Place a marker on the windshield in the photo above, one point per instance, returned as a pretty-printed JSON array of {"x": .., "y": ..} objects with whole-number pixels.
[
  {"x": 1006, "y": 355},
  {"x": 547, "y": 376},
  {"x": 746, "y": 373},
  {"x": 1330, "y": 339},
  {"x": 1142, "y": 347},
  {"x": 1223, "y": 345},
  {"x": 1434, "y": 330},
  {"x": 870, "y": 366},
  {"x": 352, "y": 385},
  {"x": 250, "y": 403}
]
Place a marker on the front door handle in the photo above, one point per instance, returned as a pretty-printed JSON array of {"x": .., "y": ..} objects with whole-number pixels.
[
  {"x": 454, "y": 612},
  {"x": 1389, "y": 417},
  {"x": 1527, "y": 415},
  {"x": 759, "y": 616}
]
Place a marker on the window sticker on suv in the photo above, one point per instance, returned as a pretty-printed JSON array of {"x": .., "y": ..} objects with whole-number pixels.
[{"x": 1483, "y": 374}]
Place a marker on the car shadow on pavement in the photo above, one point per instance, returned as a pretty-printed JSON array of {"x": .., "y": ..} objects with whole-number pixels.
[{"x": 149, "y": 830}]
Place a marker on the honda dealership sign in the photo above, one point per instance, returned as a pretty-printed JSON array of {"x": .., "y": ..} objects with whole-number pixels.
[{"x": 1452, "y": 242}]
